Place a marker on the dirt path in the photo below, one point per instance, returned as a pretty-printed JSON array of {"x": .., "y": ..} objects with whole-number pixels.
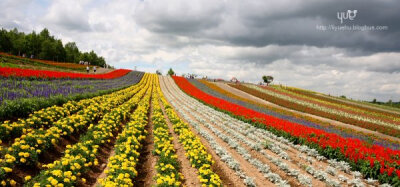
[
  {"x": 103, "y": 174},
  {"x": 147, "y": 161},
  {"x": 100, "y": 70},
  {"x": 227, "y": 175},
  {"x": 190, "y": 174},
  {"x": 332, "y": 122},
  {"x": 96, "y": 172}
]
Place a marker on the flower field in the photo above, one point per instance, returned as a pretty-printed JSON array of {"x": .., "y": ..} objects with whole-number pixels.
[
  {"x": 386, "y": 124},
  {"x": 161, "y": 131},
  {"x": 223, "y": 91},
  {"x": 99, "y": 141},
  {"x": 37, "y": 74},
  {"x": 21, "y": 96},
  {"x": 374, "y": 162}
]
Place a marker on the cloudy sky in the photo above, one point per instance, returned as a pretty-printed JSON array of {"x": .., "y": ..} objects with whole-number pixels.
[{"x": 299, "y": 42}]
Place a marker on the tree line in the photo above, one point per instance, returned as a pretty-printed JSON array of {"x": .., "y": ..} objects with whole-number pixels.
[{"x": 44, "y": 46}]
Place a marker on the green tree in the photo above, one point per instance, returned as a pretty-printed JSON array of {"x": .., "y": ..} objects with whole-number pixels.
[
  {"x": 267, "y": 79},
  {"x": 72, "y": 52},
  {"x": 60, "y": 54},
  {"x": 44, "y": 46},
  {"x": 48, "y": 50},
  {"x": 5, "y": 41},
  {"x": 171, "y": 72},
  {"x": 33, "y": 44}
]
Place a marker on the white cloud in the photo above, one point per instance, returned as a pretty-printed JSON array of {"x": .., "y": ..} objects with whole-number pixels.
[
  {"x": 68, "y": 15},
  {"x": 221, "y": 39}
]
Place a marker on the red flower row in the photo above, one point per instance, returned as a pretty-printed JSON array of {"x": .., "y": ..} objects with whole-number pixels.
[
  {"x": 352, "y": 149},
  {"x": 17, "y": 72}
]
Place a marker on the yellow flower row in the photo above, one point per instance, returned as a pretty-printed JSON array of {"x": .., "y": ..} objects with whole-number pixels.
[
  {"x": 167, "y": 165},
  {"x": 39, "y": 140},
  {"x": 195, "y": 150},
  {"x": 121, "y": 167},
  {"x": 45, "y": 117},
  {"x": 79, "y": 157}
]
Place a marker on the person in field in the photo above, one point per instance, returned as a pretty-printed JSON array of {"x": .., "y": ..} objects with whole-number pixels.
[
  {"x": 94, "y": 69},
  {"x": 87, "y": 69}
]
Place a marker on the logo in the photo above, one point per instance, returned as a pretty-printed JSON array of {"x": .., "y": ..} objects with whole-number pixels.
[{"x": 350, "y": 15}]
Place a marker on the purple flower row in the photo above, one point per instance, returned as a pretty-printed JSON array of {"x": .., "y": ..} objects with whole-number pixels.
[{"x": 17, "y": 88}]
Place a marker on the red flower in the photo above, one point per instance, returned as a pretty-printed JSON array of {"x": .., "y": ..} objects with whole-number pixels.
[
  {"x": 17, "y": 72},
  {"x": 371, "y": 162},
  {"x": 382, "y": 170},
  {"x": 390, "y": 171},
  {"x": 398, "y": 173}
]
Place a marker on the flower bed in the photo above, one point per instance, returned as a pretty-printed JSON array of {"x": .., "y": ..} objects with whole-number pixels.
[
  {"x": 372, "y": 161},
  {"x": 18, "y": 72}
]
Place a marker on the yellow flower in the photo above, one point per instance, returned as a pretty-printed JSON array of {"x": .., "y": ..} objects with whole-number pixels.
[
  {"x": 54, "y": 182},
  {"x": 7, "y": 169},
  {"x": 12, "y": 182},
  {"x": 77, "y": 166},
  {"x": 27, "y": 178}
]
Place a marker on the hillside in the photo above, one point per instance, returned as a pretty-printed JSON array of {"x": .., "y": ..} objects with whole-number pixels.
[
  {"x": 142, "y": 129},
  {"x": 7, "y": 60}
]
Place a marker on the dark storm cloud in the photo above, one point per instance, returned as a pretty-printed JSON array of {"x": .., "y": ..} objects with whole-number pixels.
[{"x": 250, "y": 23}]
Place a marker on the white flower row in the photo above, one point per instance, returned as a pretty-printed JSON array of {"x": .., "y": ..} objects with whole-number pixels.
[
  {"x": 242, "y": 151},
  {"x": 234, "y": 128},
  {"x": 263, "y": 168},
  {"x": 219, "y": 150},
  {"x": 256, "y": 146},
  {"x": 273, "y": 142}
]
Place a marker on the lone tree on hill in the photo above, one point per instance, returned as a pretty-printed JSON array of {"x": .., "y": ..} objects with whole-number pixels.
[
  {"x": 171, "y": 72},
  {"x": 267, "y": 79},
  {"x": 158, "y": 72}
]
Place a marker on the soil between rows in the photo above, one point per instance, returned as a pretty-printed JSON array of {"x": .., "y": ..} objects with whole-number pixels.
[
  {"x": 147, "y": 161},
  {"x": 190, "y": 174}
]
